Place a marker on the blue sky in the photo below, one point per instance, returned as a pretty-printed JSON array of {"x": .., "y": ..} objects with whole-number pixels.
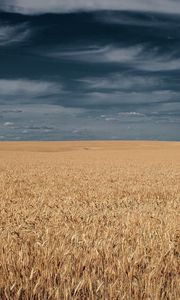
[{"x": 74, "y": 70}]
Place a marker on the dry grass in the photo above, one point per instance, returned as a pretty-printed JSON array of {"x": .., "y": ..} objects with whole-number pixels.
[{"x": 90, "y": 220}]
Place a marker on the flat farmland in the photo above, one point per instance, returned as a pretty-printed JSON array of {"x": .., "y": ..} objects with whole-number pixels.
[{"x": 90, "y": 220}]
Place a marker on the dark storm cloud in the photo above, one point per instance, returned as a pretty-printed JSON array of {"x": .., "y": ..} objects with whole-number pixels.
[{"x": 100, "y": 75}]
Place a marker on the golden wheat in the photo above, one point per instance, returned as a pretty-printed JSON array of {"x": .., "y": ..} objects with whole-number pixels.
[{"x": 90, "y": 220}]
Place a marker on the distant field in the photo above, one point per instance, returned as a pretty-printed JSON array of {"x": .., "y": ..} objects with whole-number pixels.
[{"x": 90, "y": 220}]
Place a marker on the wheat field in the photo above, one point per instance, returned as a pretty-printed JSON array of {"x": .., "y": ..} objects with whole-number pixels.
[{"x": 90, "y": 220}]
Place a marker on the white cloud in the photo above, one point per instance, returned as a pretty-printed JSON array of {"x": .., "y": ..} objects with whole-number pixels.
[
  {"x": 150, "y": 20},
  {"x": 7, "y": 124},
  {"x": 54, "y": 6},
  {"x": 159, "y": 63},
  {"x": 138, "y": 57},
  {"x": 36, "y": 110},
  {"x": 124, "y": 55},
  {"x": 121, "y": 81},
  {"x": 124, "y": 98},
  {"x": 131, "y": 114},
  {"x": 142, "y": 58},
  {"x": 13, "y": 34},
  {"x": 80, "y": 54},
  {"x": 27, "y": 88},
  {"x": 123, "y": 116},
  {"x": 97, "y": 54}
]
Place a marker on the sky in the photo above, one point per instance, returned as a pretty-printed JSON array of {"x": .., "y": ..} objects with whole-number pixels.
[{"x": 94, "y": 69}]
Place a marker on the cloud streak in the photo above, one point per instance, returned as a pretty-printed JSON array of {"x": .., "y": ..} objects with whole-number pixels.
[
  {"x": 56, "y": 6},
  {"x": 146, "y": 20},
  {"x": 141, "y": 57},
  {"x": 122, "y": 81},
  {"x": 121, "y": 98},
  {"x": 13, "y": 34},
  {"x": 24, "y": 90}
]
